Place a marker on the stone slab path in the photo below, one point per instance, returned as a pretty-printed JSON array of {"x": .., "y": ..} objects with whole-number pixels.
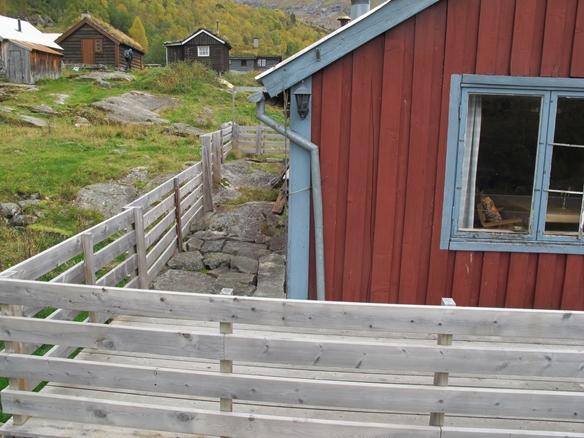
[{"x": 241, "y": 246}]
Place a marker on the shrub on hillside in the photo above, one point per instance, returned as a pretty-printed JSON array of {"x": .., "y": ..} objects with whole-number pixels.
[{"x": 179, "y": 78}]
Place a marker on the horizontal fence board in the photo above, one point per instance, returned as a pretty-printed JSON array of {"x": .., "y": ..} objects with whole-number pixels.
[
  {"x": 194, "y": 196},
  {"x": 133, "y": 283},
  {"x": 160, "y": 209},
  {"x": 190, "y": 215},
  {"x": 378, "y": 356},
  {"x": 43, "y": 263},
  {"x": 125, "y": 269},
  {"x": 330, "y": 315},
  {"x": 159, "y": 229},
  {"x": 157, "y": 250},
  {"x": 305, "y": 392},
  {"x": 190, "y": 185},
  {"x": 160, "y": 263},
  {"x": 465, "y": 432},
  {"x": 108, "y": 337},
  {"x": 152, "y": 417}
]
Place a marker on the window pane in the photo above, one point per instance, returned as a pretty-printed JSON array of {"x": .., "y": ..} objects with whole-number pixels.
[
  {"x": 567, "y": 173},
  {"x": 499, "y": 166}
]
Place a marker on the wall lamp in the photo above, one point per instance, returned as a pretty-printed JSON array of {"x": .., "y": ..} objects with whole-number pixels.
[{"x": 302, "y": 95}]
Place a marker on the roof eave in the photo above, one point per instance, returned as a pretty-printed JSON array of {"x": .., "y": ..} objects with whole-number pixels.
[{"x": 339, "y": 43}]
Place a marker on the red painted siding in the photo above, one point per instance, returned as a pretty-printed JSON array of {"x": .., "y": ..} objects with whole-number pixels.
[{"x": 382, "y": 129}]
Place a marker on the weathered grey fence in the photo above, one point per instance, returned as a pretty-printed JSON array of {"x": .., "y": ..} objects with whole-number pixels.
[
  {"x": 259, "y": 140},
  {"x": 485, "y": 344}
]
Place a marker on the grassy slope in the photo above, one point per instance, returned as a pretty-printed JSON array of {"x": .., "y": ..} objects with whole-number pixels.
[{"x": 57, "y": 162}]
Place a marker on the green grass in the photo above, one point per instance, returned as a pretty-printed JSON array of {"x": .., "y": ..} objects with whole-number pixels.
[{"x": 57, "y": 162}]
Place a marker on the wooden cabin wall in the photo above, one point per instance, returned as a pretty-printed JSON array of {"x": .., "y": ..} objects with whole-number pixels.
[
  {"x": 380, "y": 116},
  {"x": 219, "y": 53},
  {"x": 72, "y": 47},
  {"x": 18, "y": 64},
  {"x": 45, "y": 66},
  {"x": 175, "y": 54},
  {"x": 137, "y": 61}
]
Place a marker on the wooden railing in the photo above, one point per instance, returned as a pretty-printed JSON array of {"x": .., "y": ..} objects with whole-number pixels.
[
  {"x": 130, "y": 249},
  {"x": 485, "y": 344},
  {"x": 259, "y": 140}
]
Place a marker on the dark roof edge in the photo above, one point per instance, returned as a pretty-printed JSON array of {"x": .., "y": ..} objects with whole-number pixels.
[{"x": 339, "y": 43}]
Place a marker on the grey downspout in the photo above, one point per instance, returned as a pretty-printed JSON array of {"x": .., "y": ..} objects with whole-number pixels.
[{"x": 297, "y": 139}]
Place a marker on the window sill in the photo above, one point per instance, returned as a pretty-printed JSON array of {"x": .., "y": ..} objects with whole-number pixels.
[{"x": 458, "y": 244}]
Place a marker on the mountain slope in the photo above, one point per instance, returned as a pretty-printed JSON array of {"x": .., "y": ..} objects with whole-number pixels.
[{"x": 164, "y": 20}]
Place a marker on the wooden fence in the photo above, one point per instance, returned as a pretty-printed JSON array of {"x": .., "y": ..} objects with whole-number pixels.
[
  {"x": 259, "y": 140},
  {"x": 485, "y": 344},
  {"x": 130, "y": 249}
]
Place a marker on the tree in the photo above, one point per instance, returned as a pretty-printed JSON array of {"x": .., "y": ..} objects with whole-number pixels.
[{"x": 138, "y": 32}]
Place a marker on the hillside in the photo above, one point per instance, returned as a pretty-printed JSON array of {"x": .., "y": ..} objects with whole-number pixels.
[
  {"x": 165, "y": 20},
  {"x": 323, "y": 13}
]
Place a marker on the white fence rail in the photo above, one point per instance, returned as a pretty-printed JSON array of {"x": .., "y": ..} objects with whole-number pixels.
[{"x": 259, "y": 140}]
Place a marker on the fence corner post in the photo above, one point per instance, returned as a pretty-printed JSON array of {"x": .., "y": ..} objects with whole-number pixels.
[
  {"x": 178, "y": 214},
  {"x": 217, "y": 156},
  {"x": 235, "y": 137},
  {"x": 441, "y": 379},
  {"x": 207, "y": 172},
  {"x": 89, "y": 266}
]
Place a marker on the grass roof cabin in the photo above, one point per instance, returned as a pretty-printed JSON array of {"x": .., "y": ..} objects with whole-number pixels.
[{"x": 92, "y": 41}]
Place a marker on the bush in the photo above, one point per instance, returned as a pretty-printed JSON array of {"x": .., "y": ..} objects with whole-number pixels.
[{"x": 179, "y": 78}]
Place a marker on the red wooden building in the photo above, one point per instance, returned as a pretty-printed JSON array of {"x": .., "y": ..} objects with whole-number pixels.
[{"x": 451, "y": 142}]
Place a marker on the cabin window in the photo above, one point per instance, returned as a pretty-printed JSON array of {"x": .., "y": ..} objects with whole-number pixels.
[
  {"x": 244, "y": 62},
  {"x": 515, "y": 178},
  {"x": 261, "y": 62},
  {"x": 99, "y": 45},
  {"x": 203, "y": 51}
]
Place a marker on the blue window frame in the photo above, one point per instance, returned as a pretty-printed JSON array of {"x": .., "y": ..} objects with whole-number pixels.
[{"x": 515, "y": 165}]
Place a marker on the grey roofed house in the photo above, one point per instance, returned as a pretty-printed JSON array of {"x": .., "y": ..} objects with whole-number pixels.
[
  {"x": 245, "y": 63},
  {"x": 201, "y": 46}
]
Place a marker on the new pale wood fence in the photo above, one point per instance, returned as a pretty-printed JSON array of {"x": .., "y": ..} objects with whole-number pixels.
[{"x": 555, "y": 354}]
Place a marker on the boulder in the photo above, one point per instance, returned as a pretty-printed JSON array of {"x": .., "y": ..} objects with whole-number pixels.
[
  {"x": 214, "y": 260},
  {"x": 189, "y": 261},
  {"x": 34, "y": 121},
  {"x": 107, "y": 198},
  {"x": 43, "y": 109},
  {"x": 81, "y": 122},
  {"x": 247, "y": 249},
  {"x": 271, "y": 277},
  {"x": 5, "y": 109},
  {"x": 136, "y": 108},
  {"x": 194, "y": 244},
  {"x": 210, "y": 235},
  {"x": 242, "y": 284},
  {"x": 244, "y": 264},
  {"x": 29, "y": 203},
  {"x": 9, "y": 209},
  {"x": 23, "y": 220},
  {"x": 183, "y": 130},
  {"x": 212, "y": 246},
  {"x": 185, "y": 281}
]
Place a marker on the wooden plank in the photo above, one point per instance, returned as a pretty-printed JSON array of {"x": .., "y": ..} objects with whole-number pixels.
[
  {"x": 178, "y": 215},
  {"x": 161, "y": 262},
  {"x": 89, "y": 265},
  {"x": 216, "y": 146},
  {"x": 289, "y": 391},
  {"x": 160, "y": 228},
  {"x": 191, "y": 214},
  {"x": 125, "y": 269},
  {"x": 577, "y": 68},
  {"x": 160, "y": 209},
  {"x": 140, "y": 249},
  {"x": 528, "y": 32},
  {"x": 329, "y": 315},
  {"x": 207, "y": 173},
  {"x": 191, "y": 198},
  {"x": 355, "y": 355},
  {"x": 464, "y": 432},
  {"x": 154, "y": 417},
  {"x": 157, "y": 250},
  {"x": 560, "y": 24},
  {"x": 191, "y": 185}
]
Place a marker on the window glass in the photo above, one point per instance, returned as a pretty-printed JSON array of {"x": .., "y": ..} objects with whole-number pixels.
[
  {"x": 501, "y": 144},
  {"x": 567, "y": 169},
  {"x": 203, "y": 50}
]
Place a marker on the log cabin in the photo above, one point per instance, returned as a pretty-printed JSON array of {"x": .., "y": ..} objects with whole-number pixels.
[
  {"x": 92, "y": 41},
  {"x": 201, "y": 46},
  {"x": 450, "y": 135}
]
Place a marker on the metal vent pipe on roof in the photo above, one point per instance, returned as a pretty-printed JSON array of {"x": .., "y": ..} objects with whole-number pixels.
[
  {"x": 359, "y": 7},
  {"x": 19, "y": 25}
]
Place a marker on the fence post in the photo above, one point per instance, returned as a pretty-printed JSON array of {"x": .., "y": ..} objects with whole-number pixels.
[
  {"x": 258, "y": 140},
  {"x": 226, "y": 366},
  {"x": 89, "y": 266},
  {"x": 441, "y": 379},
  {"x": 207, "y": 172},
  {"x": 143, "y": 280},
  {"x": 17, "y": 348},
  {"x": 178, "y": 214},
  {"x": 235, "y": 136},
  {"x": 217, "y": 156}
]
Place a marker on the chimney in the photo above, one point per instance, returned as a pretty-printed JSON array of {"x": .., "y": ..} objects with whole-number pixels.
[
  {"x": 85, "y": 14},
  {"x": 256, "y": 42},
  {"x": 19, "y": 25},
  {"x": 343, "y": 20},
  {"x": 359, "y": 7}
]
